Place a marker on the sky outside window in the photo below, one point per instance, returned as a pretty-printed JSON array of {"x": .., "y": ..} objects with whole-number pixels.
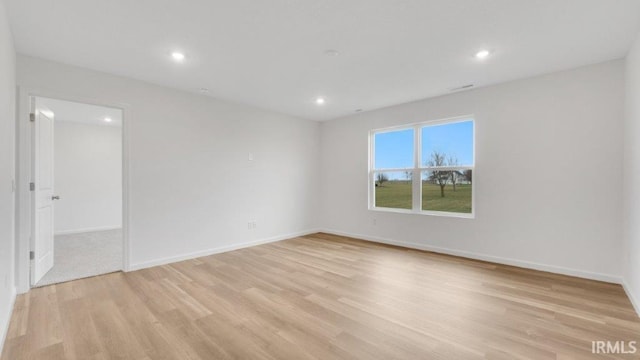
[
  {"x": 394, "y": 149},
  {"x": 453, "y": 140}
]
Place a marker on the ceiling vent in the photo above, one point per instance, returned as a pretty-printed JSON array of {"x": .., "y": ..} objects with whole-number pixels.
[{"x": 463, "y": 87}]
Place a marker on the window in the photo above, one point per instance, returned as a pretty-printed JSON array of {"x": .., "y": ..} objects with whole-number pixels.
[{"x": 424, "y": 168}]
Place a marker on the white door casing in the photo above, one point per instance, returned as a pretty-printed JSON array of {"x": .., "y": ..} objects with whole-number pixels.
[
  {"x": 43, "y": 193},
  {"x": 26, "y": 148}
]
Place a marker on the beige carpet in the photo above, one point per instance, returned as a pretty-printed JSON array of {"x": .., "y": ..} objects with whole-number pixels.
[{"x": 83, "y": 255}]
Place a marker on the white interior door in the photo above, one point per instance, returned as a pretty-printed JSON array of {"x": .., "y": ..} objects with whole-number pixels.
[{"x": 43, "y": 195}]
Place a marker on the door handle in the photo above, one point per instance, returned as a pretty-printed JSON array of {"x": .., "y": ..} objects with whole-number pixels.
[{"x": 55, "y": 197}]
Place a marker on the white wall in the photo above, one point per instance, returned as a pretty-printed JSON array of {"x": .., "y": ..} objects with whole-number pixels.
[
  {"x": 88, "y": 177},
  {"x": 192, "y": 188},
  {"x": 7, "y": 172},
  {"x": 548, "y": 174},
  {"x": 632, "y": 174}
]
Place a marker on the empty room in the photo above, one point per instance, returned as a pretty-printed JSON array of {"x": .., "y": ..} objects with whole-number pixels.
[{"x": 356, "y": 179}]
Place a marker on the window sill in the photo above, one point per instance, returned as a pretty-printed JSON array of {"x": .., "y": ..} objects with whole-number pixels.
[{"x": 428, "y": 213}]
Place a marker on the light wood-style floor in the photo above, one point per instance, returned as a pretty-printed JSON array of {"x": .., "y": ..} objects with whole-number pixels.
[{"x": 322, "y": 297}]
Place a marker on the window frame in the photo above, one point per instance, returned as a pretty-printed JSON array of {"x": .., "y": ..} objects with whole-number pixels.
[{"x": 418, "y": 169}]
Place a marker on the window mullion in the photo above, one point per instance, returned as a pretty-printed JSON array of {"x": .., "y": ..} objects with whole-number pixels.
[{"x": 417, "y": 189}]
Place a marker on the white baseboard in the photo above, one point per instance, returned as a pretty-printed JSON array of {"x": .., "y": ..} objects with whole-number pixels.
[
  {"x": 218, "y": 250},
  {"x": 630, "y": 294},
  {"x": 484, "y": 257},
  {"x": 5, "y": 327},
  {"x": 78, "y": 231}
]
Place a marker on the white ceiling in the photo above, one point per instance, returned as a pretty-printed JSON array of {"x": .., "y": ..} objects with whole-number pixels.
[
  {"x": 67, "y": 111},
  {"x": 271, "y": 53}
]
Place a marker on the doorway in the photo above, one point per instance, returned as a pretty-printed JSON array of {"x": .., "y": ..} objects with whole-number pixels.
[{"x": 77, "y": 206}]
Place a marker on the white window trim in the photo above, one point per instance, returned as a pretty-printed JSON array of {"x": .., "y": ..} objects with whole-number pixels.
[{"x": 417, "y": 170}]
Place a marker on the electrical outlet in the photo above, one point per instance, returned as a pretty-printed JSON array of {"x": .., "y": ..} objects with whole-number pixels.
[
  {"x": 252, "y": 225},
  {"x": 250, "y": 156},
  {"x": 374, "y": 221}
]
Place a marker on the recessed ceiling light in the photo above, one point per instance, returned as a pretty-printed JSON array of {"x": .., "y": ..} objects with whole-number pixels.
[
  {"x": 107, "y": 119},
  {"x": 320, "y": 101},
  {"x": 331, "y": 52},
  {"x": 177, "y": 56},
  {"x": 482, "y": 54},
  {"x": 358, "y": 110},
  {"x": 204, "y": 91}
]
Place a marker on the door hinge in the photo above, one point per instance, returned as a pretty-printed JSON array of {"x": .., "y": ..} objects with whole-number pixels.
[
  {"x": 32, "y": 186},
  {"x": 32, "y": 117},
  {"x": 32, "y": 255}
]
